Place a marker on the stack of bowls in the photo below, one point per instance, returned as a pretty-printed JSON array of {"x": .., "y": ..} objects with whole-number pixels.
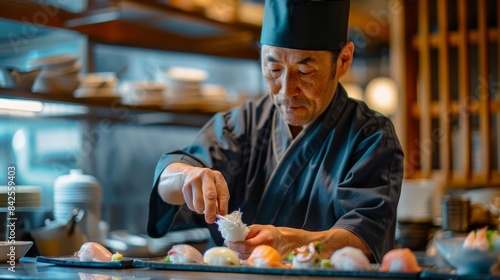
[
  {"x": 143, "y": 93},
  {"x": 184, "y": 87},
  {"x": 59, "y": 74},
  {"x": 77, "y": 190},
  {"x": 97, "y": 85}
]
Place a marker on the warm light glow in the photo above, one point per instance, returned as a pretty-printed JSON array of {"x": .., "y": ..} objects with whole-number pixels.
[
  {"x": 382, "y": 96},
  {"x": 354, "y": 91},
  {"x": 21, "y": 105}
]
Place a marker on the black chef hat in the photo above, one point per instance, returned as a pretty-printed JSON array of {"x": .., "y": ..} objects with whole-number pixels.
[{"x": 305, "y": 24}]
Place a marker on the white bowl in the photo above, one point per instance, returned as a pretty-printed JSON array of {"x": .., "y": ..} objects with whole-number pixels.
[
  {"x": 466, "y": 261},
  {"x": 98, "y": 80},
  {"x": 53, "y": 62},
  {"x": 17, "y": 249},
  {"x": 66, "y": 84},
  {"x": 187, "y": 74}
]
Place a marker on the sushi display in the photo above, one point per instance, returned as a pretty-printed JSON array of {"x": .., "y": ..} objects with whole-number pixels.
[
  {"x": 183, "y": 254},
  {"x": 232, "y": 227},
  {"x": 221, "y": 256},
  {"x": 306, "y": 256},
  {"x": 265, "y": 256},
  {"x": 349, "y": 258},
  {"x": 400, "y": 260},
  {"x": 482, "y": 239},
  {"x": 95, "y": 252}
]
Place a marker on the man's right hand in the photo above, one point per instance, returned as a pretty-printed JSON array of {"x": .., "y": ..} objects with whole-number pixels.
[{"x": 203, "y": 190}]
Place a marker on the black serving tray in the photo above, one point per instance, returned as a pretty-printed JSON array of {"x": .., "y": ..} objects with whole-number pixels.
[
  {"x": 159, "y": 263},
  {"x": 72, "y": 260}
]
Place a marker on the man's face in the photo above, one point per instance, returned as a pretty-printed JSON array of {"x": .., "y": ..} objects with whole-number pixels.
[{"x": 301, "y": 83}]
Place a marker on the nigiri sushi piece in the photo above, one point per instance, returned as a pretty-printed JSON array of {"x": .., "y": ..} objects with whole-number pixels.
[
  {"x": 349, "y": 258},
  {"x": 306, "y": 256},
  {"x": 477, "y": 239},
  {"x": 265, "y": 256},
  {"x": 221, "y": 256},
  {"x": 233, "y": 231},
  {"x": 400, "y": 260},
  {"x": 183, "y": 253},
  {"x": 94, "y": 252}
]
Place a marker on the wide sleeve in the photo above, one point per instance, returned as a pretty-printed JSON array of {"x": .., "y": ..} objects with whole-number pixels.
[
  {"x": 368, "y": 195},
  {"x": 218, "y": 146}
]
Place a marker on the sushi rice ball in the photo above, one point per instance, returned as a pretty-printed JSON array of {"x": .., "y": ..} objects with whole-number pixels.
[
  {"x": 221, "y": 256},
  {"x": 349, "y": 258},
  {"x": 183, "y": 254},
  {"x": 265, "y": 256},
  {"x": 306, "y": 256}
]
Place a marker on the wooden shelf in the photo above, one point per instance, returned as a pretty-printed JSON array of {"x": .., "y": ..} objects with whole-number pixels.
[
  {"x": 144, "y": 24},
  {"x": 113, "y": 110}
]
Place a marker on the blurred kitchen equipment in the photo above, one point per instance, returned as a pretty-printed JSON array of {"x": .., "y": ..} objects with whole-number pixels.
[
  {"x": 25, "y": 196},
  {"x": 16, "y": 78},
  {"x": 60, "y": 238},
  {"x": 136, "y": 245},
  {"x": 184, "y": 87},
  {"x": 27, "y": 220},
  {"x": 59, "y": 75},
  {"x": 54, "y": 62},
  {"x": 416, "y": 200},
  {"x": 21, "y": 247},
  {"x": 455, "y": 210},
  {"x": 414, "y": 235},
  {"x": 78, "y": 190},
  {"x": 97, "y": 85},
  {"x": 143, "y": 93}
]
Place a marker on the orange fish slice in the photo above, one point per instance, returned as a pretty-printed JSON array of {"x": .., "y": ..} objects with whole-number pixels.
[{"x": 265, "y": 255}]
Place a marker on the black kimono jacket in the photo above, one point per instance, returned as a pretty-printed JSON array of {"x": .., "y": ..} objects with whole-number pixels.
[{"x": 342, "y": 171}]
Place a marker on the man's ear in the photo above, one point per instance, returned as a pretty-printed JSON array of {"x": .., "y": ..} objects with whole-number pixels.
[{"x": 345, "y": 59}]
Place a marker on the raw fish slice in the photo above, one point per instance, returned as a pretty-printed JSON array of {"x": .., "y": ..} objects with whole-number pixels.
[
  {"x": 400, "y": 260},
  {"x": 94, "y": 252},
  {"x": 349, "y": 258},
  {"x": 477, "y": 239},
  {"x": 183, "y": 253},
  {"x": 265, "y": 256}
]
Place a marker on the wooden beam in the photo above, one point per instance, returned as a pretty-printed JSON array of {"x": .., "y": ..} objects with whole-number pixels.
[
  {"x": 444, "y": 92},
  {"x": 463, "y": 92},
  {"x": 483, "y": 89},
  {"x": 424, "y": 92}
]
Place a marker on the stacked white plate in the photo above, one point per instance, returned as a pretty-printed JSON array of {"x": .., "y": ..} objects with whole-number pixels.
[
  {"x": 416, "y": 202},
  {"x": 101, "y": 85},
  {"x": 77, "y": 190},
  {"x": 23, "y": 196},
  {"x": 143, "y": 93},
  {"x": 184, "y": 87},
  {"x": 59, "y": 74},
  {"x": 216, "y": 99}
]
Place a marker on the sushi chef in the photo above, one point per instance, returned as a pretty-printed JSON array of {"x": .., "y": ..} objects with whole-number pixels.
[{"x": 303, "y": 163}]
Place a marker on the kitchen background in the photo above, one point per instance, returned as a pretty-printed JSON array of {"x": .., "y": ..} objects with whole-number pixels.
[{"x": 118, "y": 138}]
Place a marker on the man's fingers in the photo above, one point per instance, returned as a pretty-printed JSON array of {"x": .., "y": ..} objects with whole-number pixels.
[
  {"x": 209, "y": 198},
  {"x": 222, "y": 193},
  {"x": 198, "y": 202},
  {"x": 188, "y": 196}
]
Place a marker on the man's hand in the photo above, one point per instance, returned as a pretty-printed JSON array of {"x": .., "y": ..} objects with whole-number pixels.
[
  {"x": 285, "y": 239},
  {"x": 259, "y": 235},
  {"x": 203, "y": 190}
]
